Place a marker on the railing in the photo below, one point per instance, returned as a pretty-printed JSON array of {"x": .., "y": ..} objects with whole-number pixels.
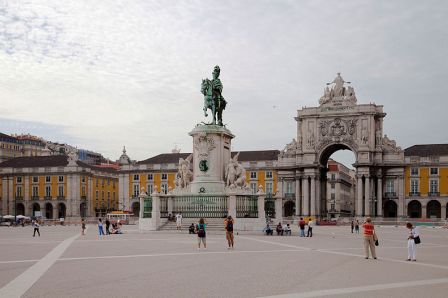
[
  {"x": 163, "y": 207},
  {"x": 246, "y": 206},
  {"x": 434, "y": 194},
  {"x": 269, "y": 206},
  {"x": 390, "y": 195},
  {"x": 290, "y": 195},
  {"x": 47, "y": 197},
  {"x": 147, "y": 207},
  {"x": 207, "y": 206},
  {"x": 414, "y": 194},
  {"x": 35, "y": 198},
  {"x": 18, "y": 198},
  {"x": 61, "y": 197},
  {"x": 83, "y": 197}
]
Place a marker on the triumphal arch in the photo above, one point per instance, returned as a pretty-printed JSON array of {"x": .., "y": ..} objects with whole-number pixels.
[{"x": 341, "y": 123}]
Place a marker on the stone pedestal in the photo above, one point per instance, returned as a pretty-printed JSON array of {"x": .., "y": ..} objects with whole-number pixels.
[{"x": 211, "y": 153}]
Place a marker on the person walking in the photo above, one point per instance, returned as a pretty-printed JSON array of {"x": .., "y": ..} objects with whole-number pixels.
[
  {"x": 352, "y": 225},
  {"x": 310, "y": 228},
  {"x": 357, "y": 227},
  {"x": 107, "y": 226},
  {"x": 100, "y": 227},
  {"x": 36, "y": 228},
  {"x": 411, "y": 242},
  {"x": 301, "y": 224},
  {"x": 369, "y": 241},
  {"x": 83, "y": 226},
  {"x": 201, "y": 233},
  {"x": 179, "y": 221},
  {"x": 228, "y": 223}
]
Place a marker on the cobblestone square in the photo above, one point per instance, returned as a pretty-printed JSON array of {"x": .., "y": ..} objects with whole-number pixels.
[{"x": 61, "y": 263}]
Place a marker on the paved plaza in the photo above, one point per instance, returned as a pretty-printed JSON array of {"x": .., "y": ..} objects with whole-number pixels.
[{"x": 61, "y": 263}]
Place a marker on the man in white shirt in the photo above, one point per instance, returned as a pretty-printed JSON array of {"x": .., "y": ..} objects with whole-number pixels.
[
  {"x": 179, "y": 221},
  {"x": 310, "y": 228}
]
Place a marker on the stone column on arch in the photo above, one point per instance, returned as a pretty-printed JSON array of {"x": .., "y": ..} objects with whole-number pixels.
[
  {"x": 298, "y": 197},
  {"x": 305, "y": 196},
  {"x": 367, "y": 199},
  {"x": 359, "y": 186},
  {"x": 401, "y": 207},
  {"x": 380, "y": 197},
  {"x": 313, "y": 196}
]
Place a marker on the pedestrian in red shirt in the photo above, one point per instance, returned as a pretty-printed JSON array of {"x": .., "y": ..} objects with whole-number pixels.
[{"x": 369, "y": 241}]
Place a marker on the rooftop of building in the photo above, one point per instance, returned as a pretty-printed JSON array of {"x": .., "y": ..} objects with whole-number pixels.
[
  {"x": 260, "y": 155},
  {"x": 427, "y": 150},
  {"x": 48, "y": 161}
]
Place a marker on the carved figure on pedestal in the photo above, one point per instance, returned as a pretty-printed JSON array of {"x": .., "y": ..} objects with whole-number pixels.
[
  {"x": 235, "y": 173},
  {"x": 338, "y": 89},
  {"x": 378, "y": 139},
  {"x": 290, "y": 149},
  {"x": 311, "y": 141},
  {"x": 213, "y": 99},
  {"x": 390, "y": 145},
  {"x": 184, "y": 174}
]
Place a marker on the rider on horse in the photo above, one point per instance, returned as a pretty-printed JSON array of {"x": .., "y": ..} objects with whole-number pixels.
[{"x": 219, "y": 104}]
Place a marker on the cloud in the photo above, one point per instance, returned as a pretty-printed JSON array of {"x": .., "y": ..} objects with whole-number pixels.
[{"x": 113, "y": 73}]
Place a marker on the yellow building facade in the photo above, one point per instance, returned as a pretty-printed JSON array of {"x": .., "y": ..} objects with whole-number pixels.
[
  {"x": 426, "y": 181},
  {"x": 48, "y": 186}
]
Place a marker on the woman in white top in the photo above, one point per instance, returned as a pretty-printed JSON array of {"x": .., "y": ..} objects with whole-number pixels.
[{"x": 411, "y": 242}]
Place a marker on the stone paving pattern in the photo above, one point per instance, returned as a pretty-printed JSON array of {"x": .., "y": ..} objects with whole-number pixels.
[{"x": 168, "y": 264}]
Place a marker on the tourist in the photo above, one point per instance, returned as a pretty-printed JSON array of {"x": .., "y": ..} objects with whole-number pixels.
[
  {"x": 107, "y": 226},
  {"x": 357, "y": 227},
  {"x": 228, "y": 223},
  {"x": 191, "y": 229},
  {"x": 413, "y": 234},
  {"x": 287, "y": 230},
  {"x": 83, "y": 226},
  {"x": 279, "y": 229},
  {"x": 352, "y": 225},
  {"x": 310, "y": 228},
  {"x": 268, "y": 230},
  {"x": 301, "y": 224},
  {"x": 116, "y": 229},
  {"x": 100, "y": 227},
  {"x": 36, "y": 226},
  {"x": 369, "y": 241},
  {"x": 201, "y": 233},
  {"x": 179, "y": 221}
]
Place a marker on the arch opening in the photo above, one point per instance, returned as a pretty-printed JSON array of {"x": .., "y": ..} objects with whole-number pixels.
[
  {"x": 433, "y": 209},
  {"x": 337, "y": 182},
  {"x": 390, "y": 209},
  {"x": 415, "y": 209},
  {"x": 48, "y": 211}
]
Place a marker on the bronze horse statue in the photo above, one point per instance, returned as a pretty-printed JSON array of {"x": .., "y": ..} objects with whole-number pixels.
[{"x": 213, "y": 101}]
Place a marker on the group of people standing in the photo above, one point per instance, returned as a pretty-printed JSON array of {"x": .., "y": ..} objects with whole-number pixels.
[
  {"x": 116, "y": 227},
  {"x": 286, "y": 229},
  {"x": 202, "y": 227},
  {"x": 371, "y": 239}
]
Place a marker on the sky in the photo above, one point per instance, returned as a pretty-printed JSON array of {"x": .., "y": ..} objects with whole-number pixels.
[{"x": 103, "y": 74}]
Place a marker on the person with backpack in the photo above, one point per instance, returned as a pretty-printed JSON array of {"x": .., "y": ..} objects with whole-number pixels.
[
  {"x": 228, "y": 223},
  {"x": 302, "y": 227},
  {"x": 201, "y": 233}
]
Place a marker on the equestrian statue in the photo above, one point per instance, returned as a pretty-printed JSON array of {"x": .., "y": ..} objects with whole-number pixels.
[{"x": 213, "y": 99}]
